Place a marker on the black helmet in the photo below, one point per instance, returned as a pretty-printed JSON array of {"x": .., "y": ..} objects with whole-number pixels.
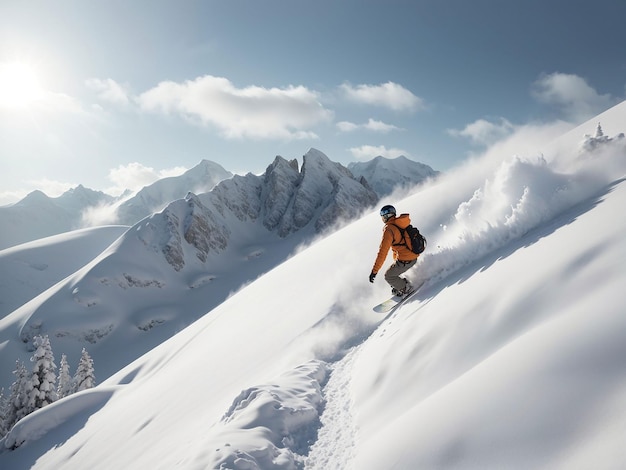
[{"x": 387, "y": 212}]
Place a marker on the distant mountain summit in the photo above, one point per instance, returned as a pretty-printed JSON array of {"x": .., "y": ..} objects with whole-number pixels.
[
  {"x": 39, "y": 216},
  {"x": 79, "y": 198},
  {"x": 153, "y": 198},
  {"x": 386, "y": 175}
]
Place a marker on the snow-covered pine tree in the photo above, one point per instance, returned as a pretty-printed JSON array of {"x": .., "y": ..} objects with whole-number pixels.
[
  {"x": 599, "y": 132},
  {"x": 4, "y": 403},
  {"x": 85, "y": 377},
  {"x": 42, "y": 387},
  {"x": 16, "y": 404},
  {"x": 64, "y": 387}
]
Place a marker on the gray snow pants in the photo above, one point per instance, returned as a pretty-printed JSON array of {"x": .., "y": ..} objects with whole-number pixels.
[{"x": 392, "y": 275}]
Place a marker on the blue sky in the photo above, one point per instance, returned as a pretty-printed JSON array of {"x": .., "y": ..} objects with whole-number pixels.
[{"x": 116, "y": 94}]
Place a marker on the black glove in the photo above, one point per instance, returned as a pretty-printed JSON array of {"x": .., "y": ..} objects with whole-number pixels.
[{"x": 372, "y": 276}]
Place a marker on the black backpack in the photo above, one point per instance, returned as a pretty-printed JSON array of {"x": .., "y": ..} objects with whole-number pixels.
[{"x": 412, "y": 238}]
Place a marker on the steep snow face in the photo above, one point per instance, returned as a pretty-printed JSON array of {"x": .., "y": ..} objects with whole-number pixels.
[{"x": 386, "y": 175}]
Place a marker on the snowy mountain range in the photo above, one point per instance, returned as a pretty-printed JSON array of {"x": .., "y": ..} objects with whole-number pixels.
[
  {"x": 38, "y": 216},
  {"x": 247, "y": 350}
]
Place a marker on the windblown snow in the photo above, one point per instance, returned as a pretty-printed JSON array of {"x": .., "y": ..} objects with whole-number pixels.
[{"x": 510, "y": 356}]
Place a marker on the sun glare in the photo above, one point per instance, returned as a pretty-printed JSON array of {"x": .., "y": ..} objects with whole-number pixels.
[{"x": 19, "y": 85}]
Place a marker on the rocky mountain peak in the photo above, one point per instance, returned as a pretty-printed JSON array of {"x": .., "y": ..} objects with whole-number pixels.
[{"x": 282, "y": 200}]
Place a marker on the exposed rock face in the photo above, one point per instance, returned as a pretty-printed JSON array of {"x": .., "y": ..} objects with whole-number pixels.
[
  {"x": 202, "y": 230},
  {"x": 280, "y": 183},
  {"x": 283, "y": 199},
  {"x": 185, "y": 226}
]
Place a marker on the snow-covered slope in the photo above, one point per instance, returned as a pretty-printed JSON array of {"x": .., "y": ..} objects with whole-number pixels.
[
  {"x": 511, "y": 356},
  {"x": 387, "y": 175},
  {"x": 528, "y": 374},
  {"x": 29, "y": 269}
]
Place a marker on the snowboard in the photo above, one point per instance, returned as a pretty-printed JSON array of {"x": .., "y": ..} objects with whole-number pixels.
[{"x": 394, "y": 301}]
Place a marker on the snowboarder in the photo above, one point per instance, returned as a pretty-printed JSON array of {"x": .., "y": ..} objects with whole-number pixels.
[{"x": 404, "y": 258}]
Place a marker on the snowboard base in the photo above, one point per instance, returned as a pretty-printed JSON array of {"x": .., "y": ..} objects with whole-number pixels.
[{"x": 394, "y": 301}]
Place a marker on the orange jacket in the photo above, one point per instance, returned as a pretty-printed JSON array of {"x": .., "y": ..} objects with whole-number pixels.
[{"x": 391, "y": 236}]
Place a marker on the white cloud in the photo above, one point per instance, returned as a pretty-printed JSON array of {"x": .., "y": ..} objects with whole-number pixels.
[
  {"x": 109, "y": 90},
  {"x": 264, "y": 113},
  {"x": 371, "y": 125},
  {"x": 367, "y": 152},
  {"x": 379, "y": 126},
  {"x": 389, "y": 95},
  {"x": 345, "y": 126},
  {"x": 572, "y": 95},
  {"x": 135, "y": 176},
  {"x": 484, "y": 132}
]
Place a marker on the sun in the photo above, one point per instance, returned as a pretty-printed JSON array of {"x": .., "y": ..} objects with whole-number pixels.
[{"x": 19, "y": 85}]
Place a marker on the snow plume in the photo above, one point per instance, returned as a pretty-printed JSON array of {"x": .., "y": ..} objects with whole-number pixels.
[
  {"x": 343, "y": 327},
  {"x": 516, "y": 196},
  {"x": 102, "y": 214}
]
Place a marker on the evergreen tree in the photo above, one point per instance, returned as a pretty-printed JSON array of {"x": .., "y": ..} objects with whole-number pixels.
[
  {"x": 41, "y": 388},
  {"x": 4, "y": 407},
  {"x": 65, "y": 379},
  {"x": 85, "y": 377},
  {"x": 16, "y": 404},
  {"x": 599, "y": 132}
]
